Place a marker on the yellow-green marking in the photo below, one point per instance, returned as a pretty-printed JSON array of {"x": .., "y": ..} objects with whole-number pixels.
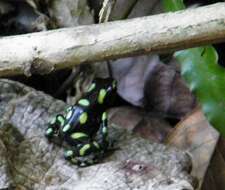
[
  {"x": 96, "y": 144},
  {"x": 49, "y": 131},
  {"x": 84, "y": 149},
  {"x": 69, "y": 153},
  {"x": 61, "y": 120},
  {"x": 78, "y": 135},
  {"x": 84, "y": 102},
  {"x": 104, "y": 130},
  {"x": 92, "y": 87},
  {"x": 104, "y": 116},
  {"x": 101, "y": 96},
  {"x": 83, "y": 118},
  {"x": 66, "y": 128}
]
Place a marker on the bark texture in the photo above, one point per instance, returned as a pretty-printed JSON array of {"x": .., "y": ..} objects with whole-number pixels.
[{"x": 46, "y": 51}]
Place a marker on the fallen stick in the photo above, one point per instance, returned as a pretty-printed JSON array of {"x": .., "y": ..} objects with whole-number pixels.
[{"x": 44, "y": 52}]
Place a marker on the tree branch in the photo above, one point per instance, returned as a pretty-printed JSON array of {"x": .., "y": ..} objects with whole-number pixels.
[{"x": 46, "y": 51}]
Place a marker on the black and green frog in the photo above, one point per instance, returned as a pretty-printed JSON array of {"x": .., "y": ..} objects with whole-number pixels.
[{"x": 84, "y": 126}]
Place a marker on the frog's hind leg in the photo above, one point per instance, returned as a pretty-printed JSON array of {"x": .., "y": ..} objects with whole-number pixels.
[{"x": 83, "y": 151}]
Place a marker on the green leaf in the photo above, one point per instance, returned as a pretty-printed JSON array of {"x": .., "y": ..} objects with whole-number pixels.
[
  {"x": 206, "y": 79},
  {"x": 173, "y": 5},
  {"x": 204, "y": 76}
]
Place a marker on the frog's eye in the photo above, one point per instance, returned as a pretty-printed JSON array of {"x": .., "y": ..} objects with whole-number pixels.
[
  {"x": 69, "y": 109},
  {"x": 101, "y": 96},
  {"x": 84, "y": 102},
  {"x": 69, "y": 114},
  {"x": 83, "y": 118},
  {"x": 92, "y": 87}
]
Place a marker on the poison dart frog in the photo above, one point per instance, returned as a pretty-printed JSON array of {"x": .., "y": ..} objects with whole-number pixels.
[{"x": 84, "y": 126}]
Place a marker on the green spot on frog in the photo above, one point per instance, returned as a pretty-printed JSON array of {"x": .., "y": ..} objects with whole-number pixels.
[
  {"x": 104, "y": 116},
  {"x": 78, "y": 135},
  {"x": 83, "y": 118},
  {"x": 96, "y": 145},
  {"x": 84, "y": 149},
  {"x": 101, "y": 96},
  {"x": 68, "y": 153},
  {"x": 49, "y": 131},
  {"x": 61, "y": 120},
  {"x": 84, "y": 102},
  {"x": 104, "y": 130},
  {"x": 92, "y": 87},
  {"x": 66, "y": 128}
]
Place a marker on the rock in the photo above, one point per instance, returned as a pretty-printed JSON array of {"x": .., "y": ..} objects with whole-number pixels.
[{"x": 28, "y": 161}]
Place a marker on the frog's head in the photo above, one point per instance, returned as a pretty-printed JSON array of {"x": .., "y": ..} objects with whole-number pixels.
[{"x": 54, "y": 126}]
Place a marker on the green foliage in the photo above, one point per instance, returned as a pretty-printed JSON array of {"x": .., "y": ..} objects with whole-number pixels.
[
  {"x": 206, "y": 79},
  {"x": 173, "y": 5},
  {"x": 204, "y": 76}
]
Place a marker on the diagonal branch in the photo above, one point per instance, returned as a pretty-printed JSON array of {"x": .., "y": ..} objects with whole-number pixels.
[{"x": 46, "y": 51}]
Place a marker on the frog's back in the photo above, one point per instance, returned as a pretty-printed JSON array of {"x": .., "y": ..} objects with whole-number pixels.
[{"x": 85, "y": 116}]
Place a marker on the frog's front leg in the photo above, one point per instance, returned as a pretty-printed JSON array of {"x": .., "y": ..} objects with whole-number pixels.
[{"x": 53, "y": 130}]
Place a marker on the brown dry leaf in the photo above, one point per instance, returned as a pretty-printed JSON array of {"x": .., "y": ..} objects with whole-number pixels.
[
  {"x": 138, "y": 121},
  {"x": 165, "y": 92},
  {"x": 145, "y": 81},
  {"x": 215, "y": 176},
  {"x": 195, "y": 135}
]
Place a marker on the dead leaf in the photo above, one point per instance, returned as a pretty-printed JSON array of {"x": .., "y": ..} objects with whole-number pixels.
[
  {"x": 215, "y": 176},
  {"x": 195, "y": 135},
  {"x": 140, "y": 122}
]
